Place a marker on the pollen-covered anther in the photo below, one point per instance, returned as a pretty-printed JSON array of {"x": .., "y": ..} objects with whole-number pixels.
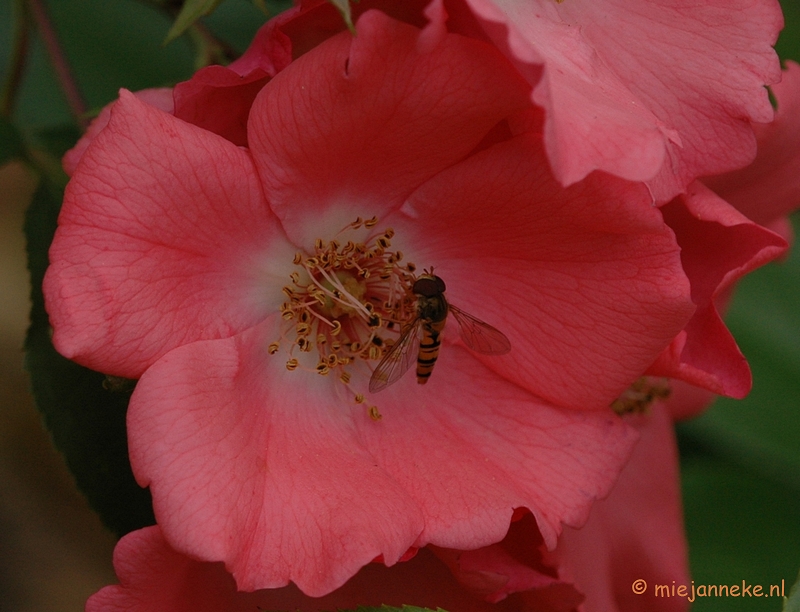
[
  {"x": 347, "y": 300},
  {"x": 640, "y": 395},
  {"x": 302, "y": 329}
]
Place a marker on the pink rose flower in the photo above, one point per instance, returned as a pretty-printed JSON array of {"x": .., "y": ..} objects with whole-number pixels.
[
  {"x": 768, "y": 190},
  {"x": 160, "y": 97},
  {"x": 705, "y": 353},
  {"x": 153, "y": 576},
  {"x": 722, "y": 241},
  {"x": 209, "y": 271},
  {"x": 218, "y": 98},
  {"x": 636, "y": 533},
  {"x": 645, "y": 91},
  {"x": 719, "y": 246},
  {"x": 651, "y": 90}
]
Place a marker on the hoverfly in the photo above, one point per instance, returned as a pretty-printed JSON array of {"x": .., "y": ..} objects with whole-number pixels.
[{"x": 420, "y": 340}]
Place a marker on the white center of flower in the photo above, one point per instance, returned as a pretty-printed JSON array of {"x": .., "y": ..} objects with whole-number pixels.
[{"x": 348, "y": 301}]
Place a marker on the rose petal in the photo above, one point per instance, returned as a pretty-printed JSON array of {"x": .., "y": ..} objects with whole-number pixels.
[
  {"x": 219, "y": 100},
  {"x": 637, "y": 533},
  {"x": 358, "y": 123},
  {"x": 644, "y": 90},
  {"x": 245, "y": 461},
  {"x": 485, "y": 447},
  {"x": 514, "y": 566},
  {"x": 719, "y": 246},
  {"x": 769, "y": 188},
  {"x": 586, "y": 281},
  {"x": 687, "y": 401},
  {"x": 159, "y": 97},
  {"x": 248, "y": 467},
  {"x": 155, "y": 577},
  {"x": 150, "y": 253}
]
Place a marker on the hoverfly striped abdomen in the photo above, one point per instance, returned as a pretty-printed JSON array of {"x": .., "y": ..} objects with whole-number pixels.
[
  {"x": 422, "y": 336},
  {"x": 432, "y": 311}
]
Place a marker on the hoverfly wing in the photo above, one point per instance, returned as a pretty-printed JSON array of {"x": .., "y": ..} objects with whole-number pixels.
[
  {"x": 398, "y": 360},
  {"x": 479, "y": 336}
]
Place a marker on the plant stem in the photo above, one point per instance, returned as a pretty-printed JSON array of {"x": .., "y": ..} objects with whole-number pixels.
[
  {"x": 63, "y": 72},
  {"x": 16, "y": 65}
]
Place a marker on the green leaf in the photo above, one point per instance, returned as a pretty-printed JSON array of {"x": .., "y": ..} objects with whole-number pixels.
[
  {"x": 11, "y": 145},
  {"x": 191, "y": 11},
  {"x": 86, "y": 420},
  {"x": 792, "y": 603},
  {"x": 109, "y": 45},
  {"x": 343, "y": 7}
]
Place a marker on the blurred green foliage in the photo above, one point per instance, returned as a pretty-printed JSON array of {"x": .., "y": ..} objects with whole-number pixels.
[
  {"x": 792, "y": 603},
  {"x": 740, "y": 460},
  {"x": 107, "y": 45},
  {"x": 86, "y": 420},
  {"x": 191, "y": 11}
]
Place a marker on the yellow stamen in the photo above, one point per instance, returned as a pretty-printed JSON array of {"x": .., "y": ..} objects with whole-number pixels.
[{"x": 348, "y": 301}]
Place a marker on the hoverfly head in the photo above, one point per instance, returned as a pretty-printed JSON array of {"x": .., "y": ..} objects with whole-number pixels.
[{"x": 429, "y": 285}]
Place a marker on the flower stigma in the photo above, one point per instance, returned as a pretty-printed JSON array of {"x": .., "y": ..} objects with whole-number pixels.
[{"x": 347, "y": 302}]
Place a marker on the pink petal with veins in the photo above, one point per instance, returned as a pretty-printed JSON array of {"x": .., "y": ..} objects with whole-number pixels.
[
  {"x": 154, "y": 577},
  {"x": 586, "y": 281},
  {"x": 245, "y": 461},
  {"x": 637, "y": 533},
  {"x": 151, "y": 251},
  {"x": 719, "y": 246},
  {"x": 649, "y": 91},
  {"x": 769, "y": 188},
  {"x": 362, "y": 122},
  {"x": 160, "y": 98}
]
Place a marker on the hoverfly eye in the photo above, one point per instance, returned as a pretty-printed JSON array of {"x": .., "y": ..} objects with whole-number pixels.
[{"x": 428, "y": 286}]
